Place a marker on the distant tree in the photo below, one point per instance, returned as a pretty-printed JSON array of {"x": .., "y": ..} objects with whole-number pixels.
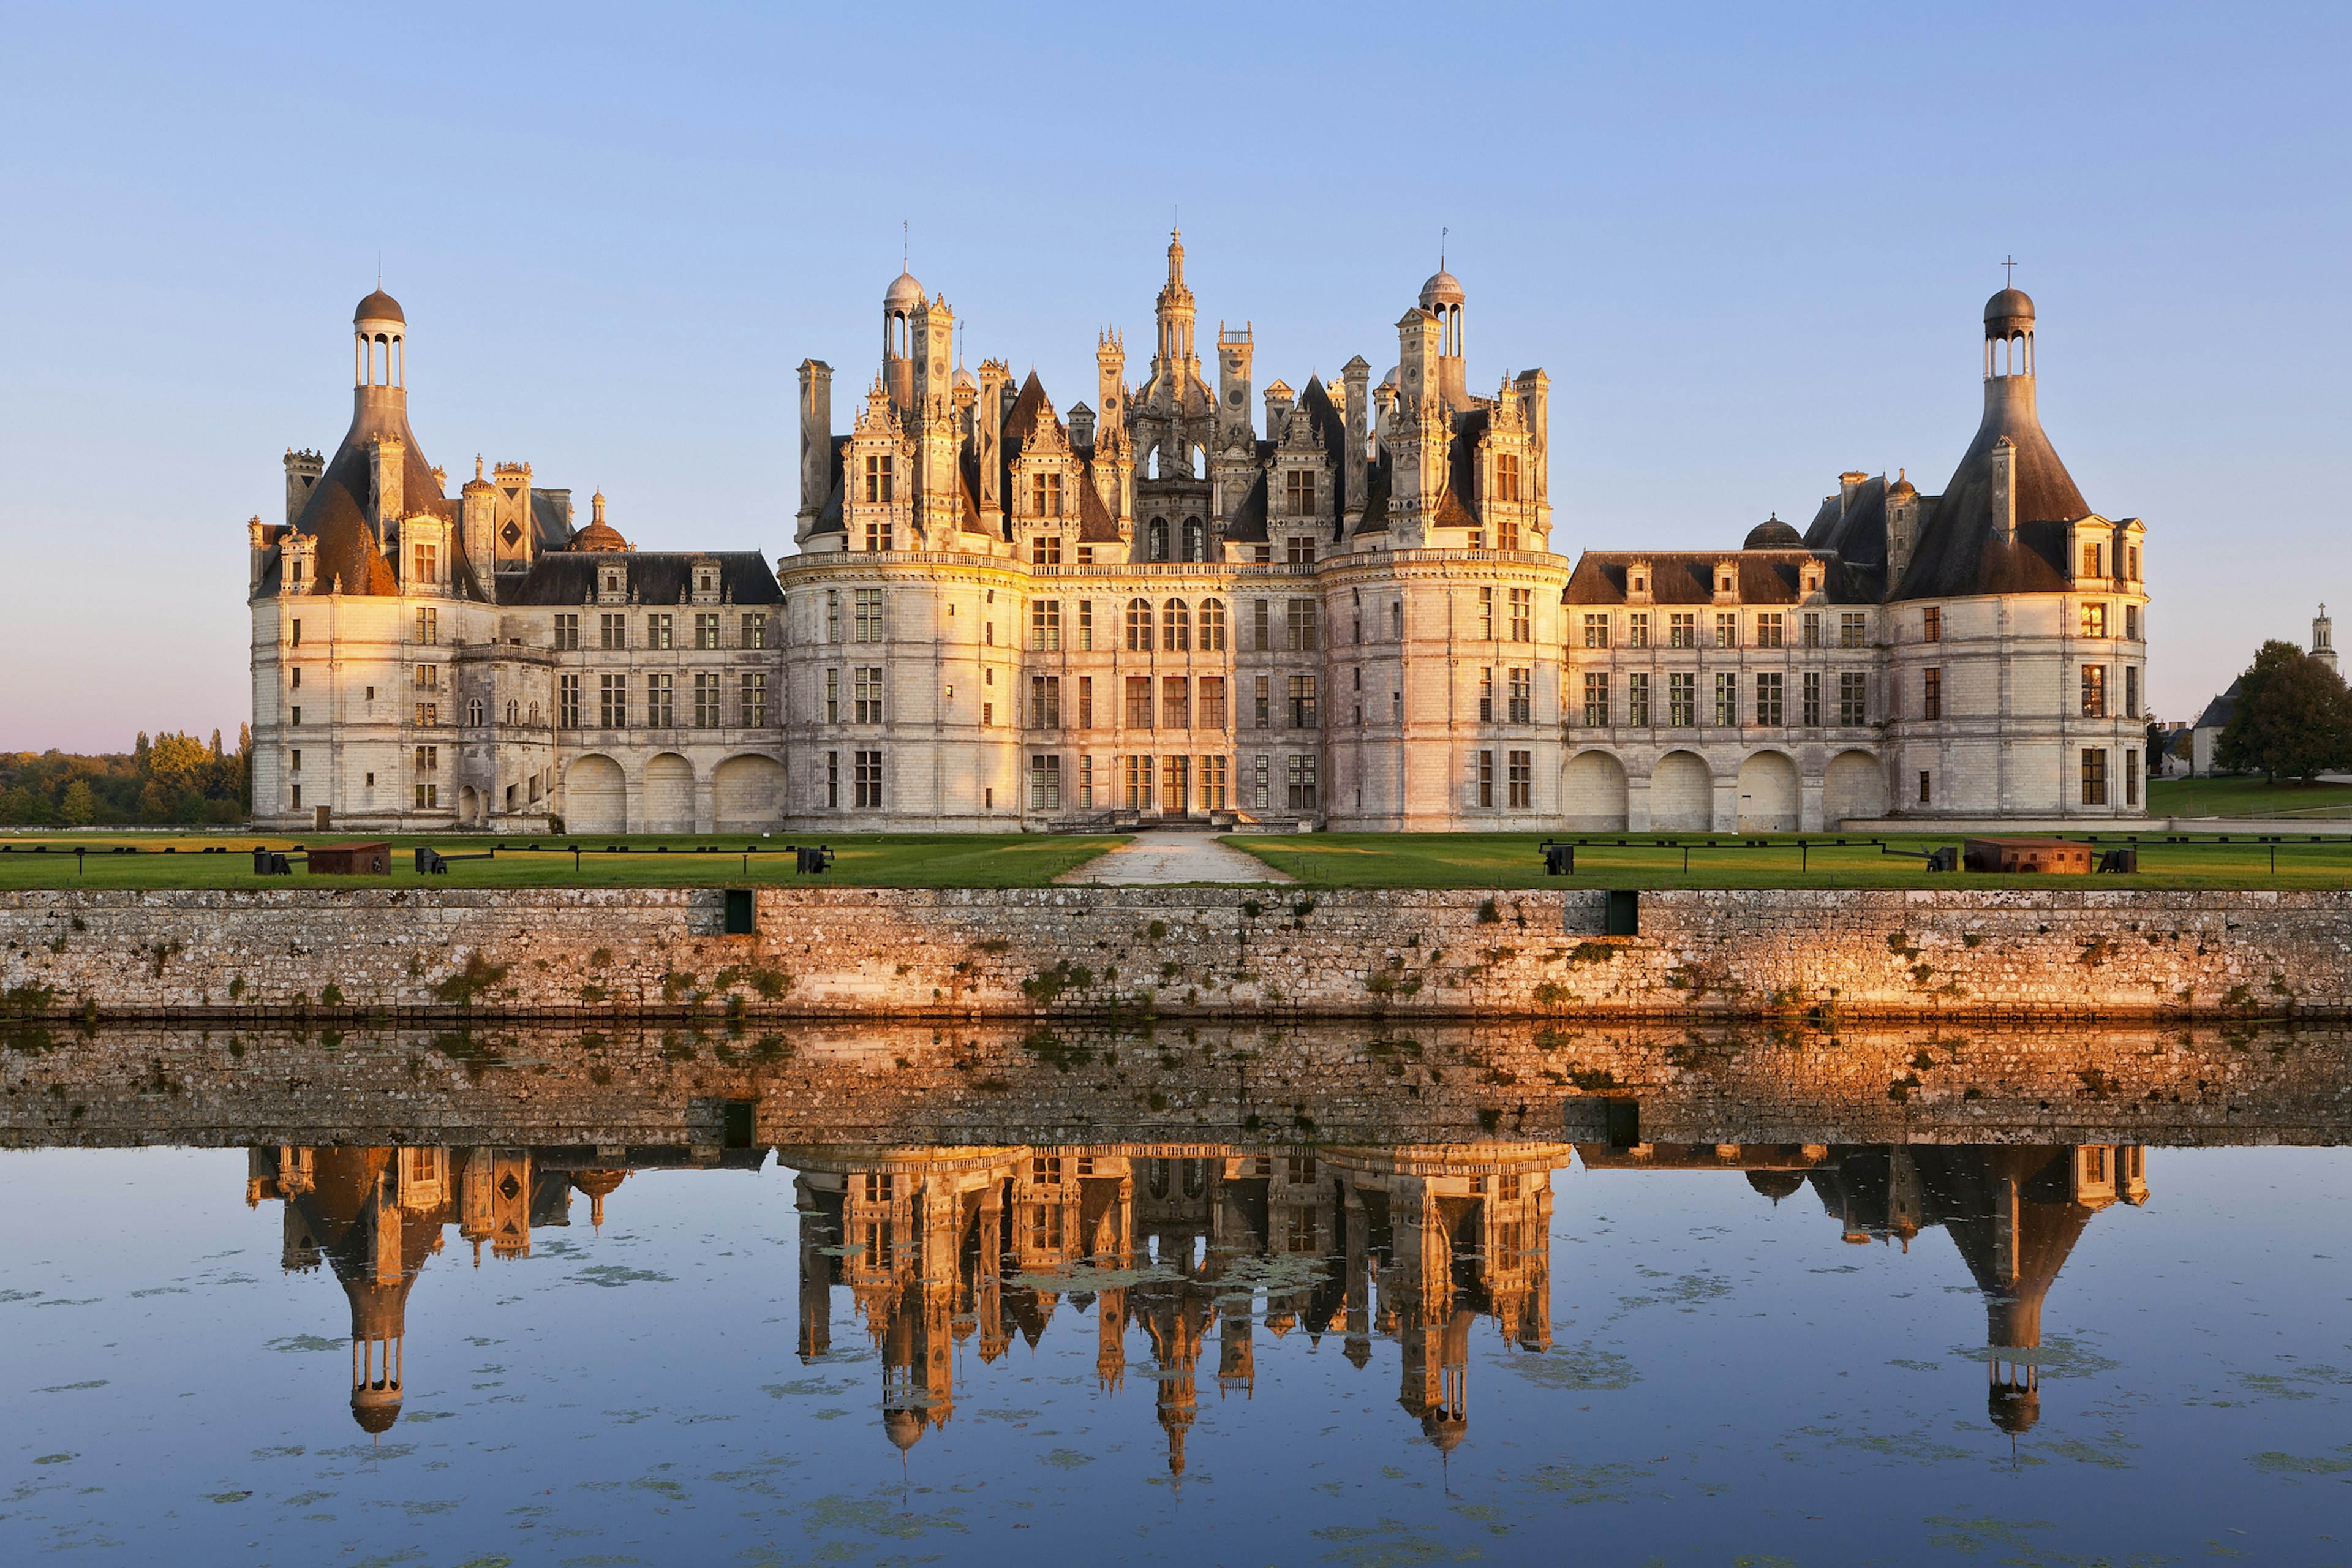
[
  {"x": 2293, "y": 718},
  {"x": 79, "y": 808}
]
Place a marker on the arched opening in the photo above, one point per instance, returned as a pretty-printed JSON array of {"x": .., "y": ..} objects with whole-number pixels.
[
  {"x": 1200, "y": 463},
  {"x": 469, "y": 806},
  {"x": 1592, "y": 794},
  {"x": 747, "y": 793},
  {"x": 1158, "y": 539},
  {"x": 1138, "y": 626},
  {"x": 669, "y": 794},
  {"x": 1682, "y": 793},
  {"x": 1768, "y": 793},
  {"x": 1195, "y": 539},
  {"x": 1152, "y": 462},
  {"x": 1854, "y": 787},
  {"x": 1175, "y": 628},
  {"x": 595, "y": 797}
]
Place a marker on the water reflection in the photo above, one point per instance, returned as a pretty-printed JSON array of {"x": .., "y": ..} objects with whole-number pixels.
[{"x": 943, "y": 1250}]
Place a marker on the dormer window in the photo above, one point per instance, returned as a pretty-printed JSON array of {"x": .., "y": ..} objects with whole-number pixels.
[
  {"x": 1298, "y": 489},
  {"x": 2095, "y": 560},
  {"x": 705, "y": 581},
  {"x": 1641, "y": 583},
  {"x": 612, "y": 581},
  {"x": 878, "y": 486},
  {"x": 1723, "y": 583},
  {"x": 1045, "y": 495},
  {"x": 1507, "y": 477}
]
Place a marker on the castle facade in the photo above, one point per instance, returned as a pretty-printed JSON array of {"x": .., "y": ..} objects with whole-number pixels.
[{"x": 1000, "y": 615}]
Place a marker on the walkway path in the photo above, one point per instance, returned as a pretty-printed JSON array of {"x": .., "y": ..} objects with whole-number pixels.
[{"x": 1150, "y": 858}]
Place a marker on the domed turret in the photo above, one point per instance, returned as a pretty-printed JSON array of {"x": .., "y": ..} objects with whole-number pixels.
[
  {"x": 599, "y": 535},
  {"x": 1773, "y": 534},
  {"x": 904, "y": 293},
  {"x": 1442, "y": 288},
  {"x": 2011, "y": 310},
  {"x": 904, "y": 1427},
  {"x": 379, "y": 307},
  {"x": 1901, "y": 487}
]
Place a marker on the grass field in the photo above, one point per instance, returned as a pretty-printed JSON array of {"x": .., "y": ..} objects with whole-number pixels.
[
  {"x": 1729, "y": 861},
  {"x": 2247, "y": 797},
  {"x": 875, "y": 860}
]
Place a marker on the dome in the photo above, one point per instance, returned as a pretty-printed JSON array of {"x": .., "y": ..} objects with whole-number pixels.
[
  {"x": 376, "y": 1409},
  {"x": 477, "y": 485},
  {"x": 379, "y": 307},
  {"x": 599, "y": 535},
  {"x": 1776, "y": 1185},
  {"x": 2013, "y": 1409},
  {"x": 904, "y": 293},
  {"x": 2010, "y": 307},
  {"x": 963, "y": 379},
  {"x": 1442, "y": 288},
  {"x": 904, "y": 1427},
  {"x": 1902, "y": 486},
  {"x": 1773, "y": 534}
]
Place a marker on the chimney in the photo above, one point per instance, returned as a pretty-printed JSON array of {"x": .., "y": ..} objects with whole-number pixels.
[
  {"x": 816, "y": 441},
  {"x": 1847, "y": 485}
]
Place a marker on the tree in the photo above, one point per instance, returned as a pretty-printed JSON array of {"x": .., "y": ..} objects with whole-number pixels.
[
  {"x": 79, "y": 806},
  {"x": 2293, "y": 718}
]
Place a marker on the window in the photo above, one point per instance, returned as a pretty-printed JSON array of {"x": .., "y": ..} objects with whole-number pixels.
[
  {"x": 868, "y": 780},
  {"x": 1812, "y": 628},
  {"x": 1507, "y": 476},
  {"x": 2131, "y": 778},
  {"x": 987, "y": 717},
  {"x": 1211, "y": 779},
  {"x": 428, "y": 759},
  {"x": 833, "y": 615},
  {"x": 1523, "y": 780},
  {"x": 1086, "y": 702},
  {"x": 1811, "y": 701},
  {"x": 1195, "y": 539},
  {"x": 1931, "y": 624},
  {"x": 428, "y": 676},
  {"x": 1396, "y": 621},
  {"x": 1263, "y": 641},
  {"x": 833, "y": 780},
  {"x": 1637, "y": 630},
  {"x": 659, "y": 632},
  {"x": 1637, "y": 697},
  {"x": 1301, "y": 624},
  {"x": 1596, "y": 631},
  {"x": 567, "y": 633},
  {"x": 428, "y": 795},
  {"x": 1213, "y": 702},
  {"x": 1139, "y": 783},
  {"x": 865, "y": 688},
  {"x": 2131, "y": 562},
  {"x": 1727, "y": 698},
  {"x": 1046, "y": 550},
  {"x": 1486, "y": 778},
  {"x": 1302, "y": 703},
  {"x": 705, "y": 630},
  {"x": 1931, "y": 694},
  {"x": 294, "y": 764},
  {"x": 1046, "y": 496},
  {"x": 427, "y": 713},
  {"x": 706, "y": 702},
  {"x": 474, "y": 712},
  {"x": 1138, "y": 626},
  {"x": 1212, "y": 625},
  {"x": 1487, "y": 696},
  {"x": 755, "y": 631},
  {"x": 427, "y": 563},
  {"x": 614, "y": 713},
  {"x": 1767, "y": 697},
  {"x": 1045, "y": 701},
  {"x": 877, "y": 533},
  {"x": 1681, "y": 630},
  {"x": 1044, "y": 784},
  {"x": 2131, "y": 692},
  {"x": 1139, "y": 702},
  {"x": 2094, "y": 691},
  {"x": 1087, "y": 784},
  {"x": 1852, "y": 629},
  {"x": 1302, "y": 784},
  {"x": 1264, "y": 793},
  {"x": 1175, "y": 795},
  {"x": 1298, "y": 490},
  {"x": 1853, "y": 692},
  {"x": 428, "y": 623},
  {"x": 754, "y": 708},
  {"x": 878, "y": 486},
  {"x": 2131, "y": 622},
  {"x": 2094, "y": 563},
  {"x": 1727, "y": 629},
  {"x": 1682, "y": 698},
  {"x": 298, "y": 633},
  {"x": 1487, "y": 614},
  {"x": 661, "y": 704},
  {"x": 567, "y": 701},
  {"x": 1522, "y": 696},
  {"x": 833, "y": 697},
  {"x": 2095, "y": 620},
  {"x": 1045, "y": 626},
  {"x": 1158, "y": 539},
  {"x": 1265, "y": 715},
  {"x": 1596, "y": 700},
  {"x": 1923, "y": 787},
  {"x": 1175, "y": 628},
  {"x": 1767, "y": 628},
  {"x": 2095, "y": 776},
  {"x": 1299, "y": 549},
  {"x": 865, "y": 623},
  {"x": 297, "y": 797},
  {"x": 1523, "y": 616}
]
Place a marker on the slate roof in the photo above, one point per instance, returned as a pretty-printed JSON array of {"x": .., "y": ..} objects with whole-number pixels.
[
  {"x": 657, "y": 578},
  {"x": 1687, "y": 577},
  {"x": 2221, "y": 709},
  {"x": 336, "y": 513},
  {"x": 1960, "y": 551}
]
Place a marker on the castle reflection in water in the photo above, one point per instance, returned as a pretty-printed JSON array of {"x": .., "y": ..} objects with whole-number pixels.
[{"x": 945, "y": 1249}]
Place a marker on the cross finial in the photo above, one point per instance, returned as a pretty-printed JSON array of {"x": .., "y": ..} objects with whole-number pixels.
[{"x": 2011, "y": 265}]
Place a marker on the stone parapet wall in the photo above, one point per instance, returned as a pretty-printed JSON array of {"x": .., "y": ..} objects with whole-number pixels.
[{"x": 617, "y": 954}]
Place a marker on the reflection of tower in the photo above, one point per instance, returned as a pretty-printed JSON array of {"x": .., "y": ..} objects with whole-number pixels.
[
  {"x": 375, "y": 1246},
  {"x": 820, "y": 1211},
  {"x": 1237, "y": 1350},
  {"x": 599, "y": 1186},
  {"x": 495, "y": 1201},
  {"x": 1176, "y": 1318}
]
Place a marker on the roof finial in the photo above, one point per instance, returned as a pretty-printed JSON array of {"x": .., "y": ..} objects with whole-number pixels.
[
  {"x": 906, "y": 245},
  {"x": 2011, "y": 267},
  {"x": 1442, "y": 233}
]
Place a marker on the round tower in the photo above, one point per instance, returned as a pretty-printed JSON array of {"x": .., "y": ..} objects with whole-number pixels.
[
  {"x": 900, "y": 302},
  {"x": 379, "y": 343},
  {"x": 2009, "y": 334}
]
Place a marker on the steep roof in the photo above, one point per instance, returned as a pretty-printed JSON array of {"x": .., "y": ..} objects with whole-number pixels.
[
  {"x": 335, "y": 514},
  {"x": 1458, "y": 506},
  {"x": 1095, "y": 524},
  {"x": 2221, "y": 709},
  {"x": 656, "y": 578},
  {"x": 1687, "y": 577},
  {"x": 1961, "y": 550},
  {"x": 1856, "y": 529}
]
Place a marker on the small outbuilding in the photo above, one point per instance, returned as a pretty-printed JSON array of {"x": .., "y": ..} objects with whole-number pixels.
[
  {"x": 367, "y": 859},
  {"x": 2065, "y": 856}
]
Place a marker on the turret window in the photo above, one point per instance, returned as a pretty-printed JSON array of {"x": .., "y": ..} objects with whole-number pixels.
[
  {"x": 1507, "y": 477},
  {"x": 1931, "y": 624},
  {"x": 2095, "y": 620},
  {"x": 2094, "y": 562},
  {"x": 1523, "y": 602},
  {"x": 1298, "y": 490},
  {"x": 880, "y": 485},
  {"x": 1045, "y": 495},
  {"x": 2095, "y": 692},
  {"x": 426, "y": 558}
]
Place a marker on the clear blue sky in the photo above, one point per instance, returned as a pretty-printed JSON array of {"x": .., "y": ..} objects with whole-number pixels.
[{"x": 1749, "y": 244}]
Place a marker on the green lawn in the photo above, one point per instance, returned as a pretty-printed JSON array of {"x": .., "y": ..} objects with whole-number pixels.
[
  {"x": 1657, "y": 860},
  {"x": 2247, "y": 797},
  {"x": 869, "y": 859}
]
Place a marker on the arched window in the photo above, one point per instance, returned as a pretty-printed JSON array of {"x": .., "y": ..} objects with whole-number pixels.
[
  {"x": 1151, "y": 463},
  {"x": 474, "y": 712},
  {"x": 1200, "y": 463},
  {"x": 1138, "y": 626},
  {"x": 1195, "y": 539},
  {"x": 1160, "y": 539},
  {"x": 511, "y": 709},
  {"x": 1175, "y": 628},
  {"x": 1212, "y": 625}
]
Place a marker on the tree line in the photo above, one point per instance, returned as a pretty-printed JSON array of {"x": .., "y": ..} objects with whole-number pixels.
[{"x": 170, "y": 778}]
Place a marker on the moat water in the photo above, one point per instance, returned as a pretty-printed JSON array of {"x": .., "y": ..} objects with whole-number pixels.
[{"x": 499, "y": 1303}]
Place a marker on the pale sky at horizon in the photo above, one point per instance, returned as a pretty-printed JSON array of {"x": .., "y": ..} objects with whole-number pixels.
[{"x": 1749, "y": 246}]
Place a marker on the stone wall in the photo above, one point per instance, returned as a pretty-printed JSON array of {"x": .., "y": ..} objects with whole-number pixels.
[
  {"x": 1207, "y": 953},
  {"x": 636, "y": 1093}
]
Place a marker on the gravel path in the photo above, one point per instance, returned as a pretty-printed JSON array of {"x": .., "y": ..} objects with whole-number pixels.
[{"x": 1150, "y": 858}]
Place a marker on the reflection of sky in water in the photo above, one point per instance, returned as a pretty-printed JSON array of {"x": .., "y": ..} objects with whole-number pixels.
[{"x": 1726, "y": 1377}]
